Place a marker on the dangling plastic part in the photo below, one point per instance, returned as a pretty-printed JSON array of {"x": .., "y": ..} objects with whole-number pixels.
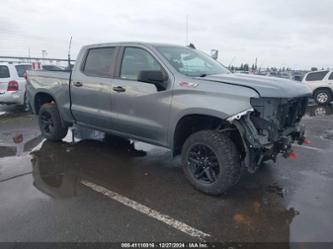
[
  {"x": 306, "y": 141},
  {"x": 293, "y": 155}
]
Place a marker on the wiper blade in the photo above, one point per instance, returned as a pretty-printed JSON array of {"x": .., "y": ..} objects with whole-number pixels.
[{"x": 203, "y": 75}]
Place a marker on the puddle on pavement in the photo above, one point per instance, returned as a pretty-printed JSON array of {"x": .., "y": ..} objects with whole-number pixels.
[
  {"x": 59, "y": 168},
  {"x": 17, "y": 142},
  {"x": 256, "y": 210}
]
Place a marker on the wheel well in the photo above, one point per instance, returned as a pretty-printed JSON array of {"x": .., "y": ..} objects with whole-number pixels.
[
  {"x": 194, "y": 123},
  {"x": 323, "y": 88},
  {"x": 41, "y": 99}
]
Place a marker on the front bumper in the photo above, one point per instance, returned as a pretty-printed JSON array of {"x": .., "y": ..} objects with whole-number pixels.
[
  {"x": 270, "y": 129},
  {"x": 12, "y": 97}
]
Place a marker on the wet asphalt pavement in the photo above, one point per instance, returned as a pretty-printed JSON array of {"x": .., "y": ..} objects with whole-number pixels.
[{"x": 42, "y": 197}]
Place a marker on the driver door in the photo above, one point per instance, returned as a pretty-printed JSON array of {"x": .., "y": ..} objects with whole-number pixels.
[{"x": 140, "y": 110}]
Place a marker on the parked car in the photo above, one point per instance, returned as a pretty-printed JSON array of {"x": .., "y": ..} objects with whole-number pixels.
[
  {"x": 179, "y": 98},
  {"x": 13, "y": 83},
  {"x": 321, "y": 84}
]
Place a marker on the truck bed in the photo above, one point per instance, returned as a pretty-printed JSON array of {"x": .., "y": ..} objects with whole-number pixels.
[
  {"x": 54, "y": 83},
  {"x": 47, "y": 78}
]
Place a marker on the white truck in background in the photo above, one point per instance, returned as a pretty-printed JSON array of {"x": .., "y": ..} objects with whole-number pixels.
[
  {"x": 13, "y": 83},
  {"x": 321, "y": 84}
]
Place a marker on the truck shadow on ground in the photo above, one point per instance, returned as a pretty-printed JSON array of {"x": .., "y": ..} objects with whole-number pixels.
[{"x": 254, "y": 207}]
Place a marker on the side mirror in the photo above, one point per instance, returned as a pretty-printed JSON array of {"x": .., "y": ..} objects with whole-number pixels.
[{"x": 153, "y": 77}]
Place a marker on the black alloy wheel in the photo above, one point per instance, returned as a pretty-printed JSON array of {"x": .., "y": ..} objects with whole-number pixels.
[{"x": 203, "y": 163}]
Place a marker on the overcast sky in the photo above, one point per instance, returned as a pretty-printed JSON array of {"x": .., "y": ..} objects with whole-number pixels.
[{"x": 294, "y": 33}]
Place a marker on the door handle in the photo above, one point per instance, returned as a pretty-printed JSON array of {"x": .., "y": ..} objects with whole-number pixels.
[
  {"x": 119, "y": 89},
  {"x": 77, "y": 84}
]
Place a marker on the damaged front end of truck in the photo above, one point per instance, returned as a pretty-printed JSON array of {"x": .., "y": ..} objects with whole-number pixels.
[{"x": 270, "y": 128}]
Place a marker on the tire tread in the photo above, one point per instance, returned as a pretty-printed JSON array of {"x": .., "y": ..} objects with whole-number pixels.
[
  {"x": 61, "y": 130},
  {"x": 228, "y": 157}
]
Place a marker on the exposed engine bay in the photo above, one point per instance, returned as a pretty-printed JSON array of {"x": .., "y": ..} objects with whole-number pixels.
[{"x": 270, "y": 128}]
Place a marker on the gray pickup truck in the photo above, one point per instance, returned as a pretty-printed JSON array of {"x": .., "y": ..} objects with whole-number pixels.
[{"x": 176, "y": 97}]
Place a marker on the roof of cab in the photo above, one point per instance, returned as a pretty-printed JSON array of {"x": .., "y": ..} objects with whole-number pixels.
[{"x": 132, "y": 43}]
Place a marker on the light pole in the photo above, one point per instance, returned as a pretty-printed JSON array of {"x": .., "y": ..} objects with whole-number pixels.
[{"x": 44, "y": 53}]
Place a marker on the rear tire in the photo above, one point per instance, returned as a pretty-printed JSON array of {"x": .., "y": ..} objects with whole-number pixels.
[
  {"x": 50, "y": 123},
  {"x": 211, "y": 162},
  {"x": 322, "y": 96}
]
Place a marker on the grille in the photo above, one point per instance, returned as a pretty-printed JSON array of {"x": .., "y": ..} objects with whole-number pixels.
[{"x": 292, "y": 112}]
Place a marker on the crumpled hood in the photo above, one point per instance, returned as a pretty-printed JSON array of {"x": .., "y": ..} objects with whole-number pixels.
[{"x": 265, "y": 86}]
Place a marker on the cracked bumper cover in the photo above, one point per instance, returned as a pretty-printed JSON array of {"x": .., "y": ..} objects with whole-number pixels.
[{"x": 266, "y": 132}]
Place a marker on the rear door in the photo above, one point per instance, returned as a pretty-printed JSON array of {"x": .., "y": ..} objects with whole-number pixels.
[
  {"x": 91, "y": 88},
  {"x": 140, "y": 109}
]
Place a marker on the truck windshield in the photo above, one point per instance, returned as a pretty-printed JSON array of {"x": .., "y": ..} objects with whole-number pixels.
[{"x": 191, "y": 62}]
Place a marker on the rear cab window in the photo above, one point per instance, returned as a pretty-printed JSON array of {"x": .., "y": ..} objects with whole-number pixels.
[
  {"x": 99, "y": 62},
  {"x": 4, "y": 72},
  {"x": 316, "y": 76},
  {"x": 21, "y": 69}
]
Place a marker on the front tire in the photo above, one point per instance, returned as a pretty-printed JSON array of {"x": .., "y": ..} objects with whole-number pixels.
[
  {"x": 322, "y": 96},
  {"x": 211, "y": 162},
  {"x": 50, "y": 123}
]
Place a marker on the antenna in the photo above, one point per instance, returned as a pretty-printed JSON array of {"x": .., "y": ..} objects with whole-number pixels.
[
  {"x": 69, "y": 54},
  {"x": 186, "y": 30},
  {"x": 29, "y": 55}
]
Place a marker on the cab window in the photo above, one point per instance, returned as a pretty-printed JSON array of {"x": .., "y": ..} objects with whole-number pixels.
[
  {"x": 4, "y": 72},
  {"x": 316, "y": 76},
  {"x": 136, "y": 60},
  {"x": 99, "y": 62}
]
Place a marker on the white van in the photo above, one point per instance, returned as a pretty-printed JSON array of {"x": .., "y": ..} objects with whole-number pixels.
[
  {"x": 321, "y": 83},
  {"x": 13, "y": 83}
]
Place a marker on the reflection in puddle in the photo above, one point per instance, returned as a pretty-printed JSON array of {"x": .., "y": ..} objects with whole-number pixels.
[
  {"x": 319, "y": 110},
  {"x": 274, "y": 188},
  {"x": 58, "y": 167},
  {"x": 15, "y": 143},
  {"x": 52, "y": 177}
]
